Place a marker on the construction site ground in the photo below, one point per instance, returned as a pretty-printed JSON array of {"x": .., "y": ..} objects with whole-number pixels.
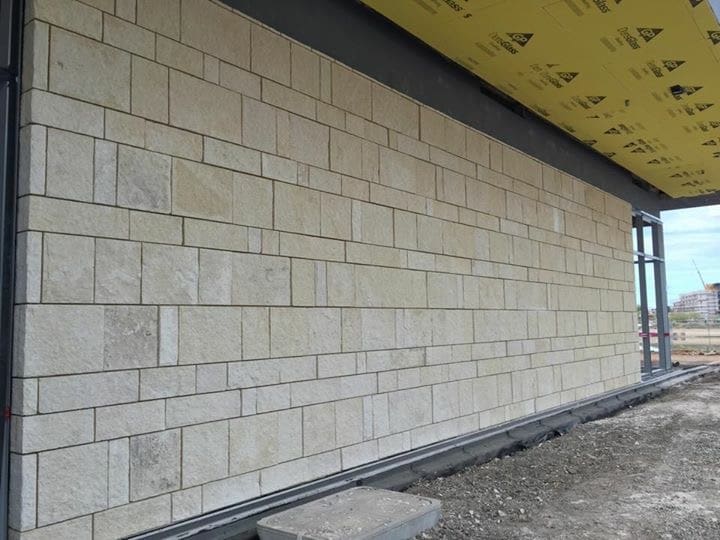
[{"x": 650, "y": 472}]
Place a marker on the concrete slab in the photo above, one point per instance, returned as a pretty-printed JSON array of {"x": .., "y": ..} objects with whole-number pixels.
[{"x": 361, "y": 513}]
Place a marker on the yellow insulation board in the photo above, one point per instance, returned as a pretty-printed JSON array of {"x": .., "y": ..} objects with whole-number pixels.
[{"x": 638, "y": 80}]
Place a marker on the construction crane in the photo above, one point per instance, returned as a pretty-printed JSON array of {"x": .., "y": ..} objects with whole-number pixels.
[{"x": 699, "y": 274}]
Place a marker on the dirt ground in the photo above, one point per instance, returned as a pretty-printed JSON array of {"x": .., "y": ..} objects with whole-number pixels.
[{"x": 650, "y": 472}]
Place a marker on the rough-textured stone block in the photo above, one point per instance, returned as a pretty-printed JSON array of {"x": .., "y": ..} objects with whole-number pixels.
[
  {"x": 143, "y": 179},
  {"x": 210, "y": 334},
  {"x": 264, "y": 440},
  {"x": 205, "y": 108},
  {"x": 49, "y": 431},
  {"x": 56, "y": 339},
  {"x": 231, "y": 156},
  {"x": 68, "y": 268},
  {"x": 169, "y": 275},
  {"x": 129, "y": 419},
  {"x": 131, "y": 338},
  {"x": 149, "y": 89},
  {"x": 202, "y": 191},
  {"x": 214, "y": 30},
  {"x": 260, "y": 280},
  {"x": 72, "y": 482},
  {"x": 186, "y": 411},
  {"x": 297, "y": 209},
  {"x": 85, "y": 391},
  {"x": 154, "y": 464},
  {"x": 205, "y": 453},
  {"x": 350, "y": 91},
  {"x": 305, "y": 70},
  {"x": 117, "y": 272},
  {"x": 88, "y": 70},
  {"x": 161, "y": 16},
  {"x": 69, "y": 165},
  {"x": 32, "y": 160},
  {"x": 303, "y": 331},
  {"x": 22, "y": 507},
  {"x": 303, "y": 140},
  {"x": 57, "y": 111},
  {"x": 132, "y": 518}
]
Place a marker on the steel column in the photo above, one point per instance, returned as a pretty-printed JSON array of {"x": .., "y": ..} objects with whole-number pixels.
[
  {"x": 661, "y": 308},
  {"x": 642, "y": 284}
]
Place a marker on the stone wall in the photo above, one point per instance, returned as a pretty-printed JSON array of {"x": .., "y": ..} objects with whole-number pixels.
[{"x": 242, "y": 266}]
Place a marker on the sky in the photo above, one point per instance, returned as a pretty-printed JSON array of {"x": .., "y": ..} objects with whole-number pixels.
[{"x": 692, "y": 234}]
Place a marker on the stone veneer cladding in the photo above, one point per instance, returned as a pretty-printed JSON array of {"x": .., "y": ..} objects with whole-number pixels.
[{"x": 242, "y": 266}]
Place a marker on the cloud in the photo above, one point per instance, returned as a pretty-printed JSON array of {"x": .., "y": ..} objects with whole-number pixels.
[{"x": 691, "y": 234}]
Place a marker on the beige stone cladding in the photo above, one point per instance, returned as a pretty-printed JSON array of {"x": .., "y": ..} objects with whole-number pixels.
[{"x": 243, "y": 266}]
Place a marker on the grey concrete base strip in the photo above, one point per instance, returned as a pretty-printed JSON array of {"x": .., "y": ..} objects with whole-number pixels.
[
  {"x": 239, "y": 521},
  {"x": 361, "y": 513}
]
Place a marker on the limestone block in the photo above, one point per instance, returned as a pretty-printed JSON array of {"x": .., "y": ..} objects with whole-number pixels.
[
  {"x": 143, "y": 179},
  {"x": 303, "y": 331},
  {"x": 118, "y": 472},
  {"x": 451, "y": 187},
  {"x": 22, "y": 507},
  {"x": 486, "y": 198},
  {"x": 252, "y": 201},
  {"x": 413, "y": 327},
  {"x": 278, "y": 168},
  {"x": 85, "y": 391},
  {"x": 69, "y": 165},
  {"x": 273, "y": 398},
  {"x": 168, "y": 339},
  {"x": 131, "y": 338},
  {"x": 430, "y": 234},
  {"x": 264, "y": 440},
  {"x": 239, "y": 80},
  {"x": 407, "y": 173},
  {"x": 231, "y": 156},
  {"x": 161, "y": 16},
  {"x": 408, "y": 409},
  {"x": 215, "y": 30},
  {"x": 299, "y": 471},
  {"x": 32, "y": 160},
  {"x": 72, "y": 482},
  {"x": 204, "y": 107},
  {"x": 149, "y": 89},
  {"x": 68, "y": 268},
  {"x": 185, "y": 411},
  {"x": 24, "y": 396},
  {"x": 335, "y": 220},
  {"x": 438, "y": 130},
  {"x": 526, "y": 295},
  {"x": 225, "y": 492},
  {"x": 259, "y": 125},
  {"x": 66, "y": 530},
  {"x": 500, "y": 325},
  {"x": 129, "y": 419},
  {"x": 167, "y": 382},
  {"x": 35, "y": 56},
  {"x": 105, "y": 169},
  {"x": 124, "y": 128},
  {"x": 63, "y": 113},
  {"x": 126, "y": 9},
  {"x": 129, "y": 37},
  {"x": 186, "y": 503},
  {"x": 132, "y": 518},
  {"x": 372, "y": 224},
  {"x": 210, "y": 334},
  {"x": 256, "y": 332},
  {"x": 215, "y": 285},
  {"x": 260, "y": 280},
  {"x": 178, "y": 56},
  {"x": 211, "y": 378},
  {"x": 296, "y": 245},
  {"x": 270, "y": 54},
  {"x": 303, "y": 140},
  {"x": 154, "y": 464},
  {"x": 48, "y": 431},
  {"x": 58, "y": 339},
  {"x": 169, "y": 274},
  {"x": 318, "y": 428},
  {"x": 393, "y": 110},
  {"x": 117, "y": 272},
  {"x": 202, "y": 191},
  {"x": 351, "y": 91},
  {"x": 205, "y": 453},
  {"x": 444, "y": 290},
  {"x": 297, "y": 209},
  {"x": 452, "y": 326},
  {"x": 305, "y": 70},
  {"x": 85, "y": 69}
]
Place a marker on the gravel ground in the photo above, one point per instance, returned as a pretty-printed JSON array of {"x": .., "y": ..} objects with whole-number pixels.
[{"x": 650, "y": 472}]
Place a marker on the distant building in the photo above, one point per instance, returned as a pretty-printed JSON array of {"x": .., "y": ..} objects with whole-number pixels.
[{"x": 706, "y": 303}]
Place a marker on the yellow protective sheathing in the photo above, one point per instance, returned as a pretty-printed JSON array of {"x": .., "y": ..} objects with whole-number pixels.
[{"x": 638, "y": 80}]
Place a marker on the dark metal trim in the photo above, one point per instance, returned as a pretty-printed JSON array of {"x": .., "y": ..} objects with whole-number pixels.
[
  {"x": 238, "y": 521},
  {"x": 11, "y": 27}
]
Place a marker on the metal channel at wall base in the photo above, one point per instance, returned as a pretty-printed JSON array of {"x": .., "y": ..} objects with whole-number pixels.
[{"x": 446, "y": 457}]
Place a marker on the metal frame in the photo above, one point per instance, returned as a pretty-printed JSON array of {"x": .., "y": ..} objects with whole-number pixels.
[
  {"x": 11, "y": 27},
  {"x": 641, "y": 220}
]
